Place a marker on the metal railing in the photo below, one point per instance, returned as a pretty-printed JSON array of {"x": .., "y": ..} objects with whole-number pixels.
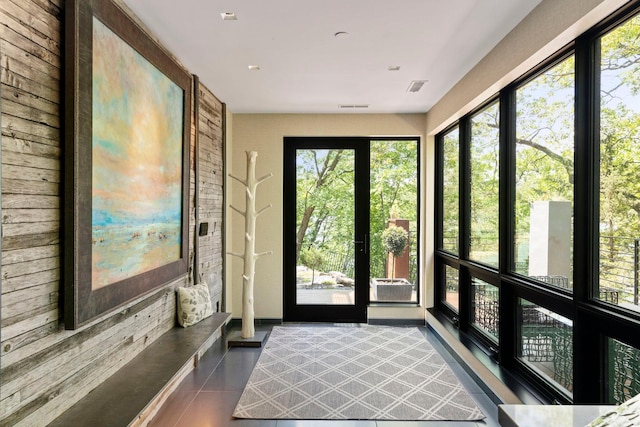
[
  {"x": 547, "y": 341},
  {"x": 339, "y": 261},
  {"x": 619, "y": 268},
  {"x": 486, "y": 304},
  {"x": 624, "y": 372},
  {"x": 619, "y": 259}
]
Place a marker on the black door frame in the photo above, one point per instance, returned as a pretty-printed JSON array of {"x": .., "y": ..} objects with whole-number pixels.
[{"x": 356, "y": 313}]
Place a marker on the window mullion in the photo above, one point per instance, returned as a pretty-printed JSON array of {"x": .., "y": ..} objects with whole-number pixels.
[
  {"x": 507, "y": 312},
  {"x": 464, "y": 221}
]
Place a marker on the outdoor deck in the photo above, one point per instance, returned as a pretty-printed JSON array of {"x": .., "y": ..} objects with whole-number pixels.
[{"x": 330, "y": 296}]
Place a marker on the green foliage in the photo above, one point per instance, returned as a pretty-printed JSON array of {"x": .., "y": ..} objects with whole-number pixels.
[
  {"x": 326, "y": 204},
  {"x": 312, "y": 258},
  {"x": 394, "y": 240},
  {"x": 544, "y": 154},
  {"x": 451, "y": 189},
  {"x": 393, "y": 184},
  {"x": 324, "y": 199},
  {"x": 620, "y": 131},
  {"x": 484, "y": 163},
  {"x": 545, "y": 137}
]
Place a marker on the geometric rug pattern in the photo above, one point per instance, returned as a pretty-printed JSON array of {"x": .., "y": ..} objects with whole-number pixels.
[{"x": 353, "y": 373}]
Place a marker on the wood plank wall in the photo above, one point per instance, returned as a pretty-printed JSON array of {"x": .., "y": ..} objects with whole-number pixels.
[
  {"x": 210, "y": 187},
  {"x": 45, "y": 369}
]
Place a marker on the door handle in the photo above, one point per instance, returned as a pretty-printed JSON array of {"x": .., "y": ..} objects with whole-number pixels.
[{"x": 364, "y": 242}]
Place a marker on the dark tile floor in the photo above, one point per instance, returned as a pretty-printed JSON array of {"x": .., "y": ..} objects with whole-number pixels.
[{"x": 208, "y": 395}]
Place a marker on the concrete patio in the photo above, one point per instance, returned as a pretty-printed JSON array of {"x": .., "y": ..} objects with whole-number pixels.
[{"x": 332, "y": 296}]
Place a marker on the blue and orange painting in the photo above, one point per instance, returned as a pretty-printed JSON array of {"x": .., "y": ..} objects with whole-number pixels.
[{"x": 137, "y": 162}]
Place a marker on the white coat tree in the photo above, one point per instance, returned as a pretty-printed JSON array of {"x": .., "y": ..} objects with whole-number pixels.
[{"x": 249, "y": 256}]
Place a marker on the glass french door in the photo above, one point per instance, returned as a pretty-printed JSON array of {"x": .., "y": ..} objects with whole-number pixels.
[
  {"x": 341, "y": 195},
  {"x": 326, "y": 229}
]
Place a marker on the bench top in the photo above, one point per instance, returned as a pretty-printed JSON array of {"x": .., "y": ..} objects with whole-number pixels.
[{"x": 123, "y": 396}]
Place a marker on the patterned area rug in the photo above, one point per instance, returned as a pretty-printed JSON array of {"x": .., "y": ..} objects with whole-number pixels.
[{"x": 346, "y": 373}]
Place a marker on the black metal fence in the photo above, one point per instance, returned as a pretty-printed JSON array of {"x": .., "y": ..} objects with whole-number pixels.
[
  {"x": 547, "y": 339},
  {"x": 339, "y": 261},
  {"x": 624, "y": 372},
  {"x": 619, "y": 266},
  {"x": 486, "y": 306},
  {"x": 547, "y": 342}
]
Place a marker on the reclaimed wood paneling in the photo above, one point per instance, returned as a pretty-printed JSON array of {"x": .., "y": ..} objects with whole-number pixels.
[
  {"x": 30, "y": 201},
  {"x": 210, "y": 154},
  {"x": 44, "y": 368}
]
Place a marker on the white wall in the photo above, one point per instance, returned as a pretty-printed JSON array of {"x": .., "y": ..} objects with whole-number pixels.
[{"x": 264, "y": 134}]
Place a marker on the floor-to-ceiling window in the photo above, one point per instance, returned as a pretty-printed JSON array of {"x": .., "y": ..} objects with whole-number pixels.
[
  {"x": 617, "y": 201},
  {"x": 542, "y": 215},
  {"x": 449, "y": 213},
  {"x": 538, "y": 220}
]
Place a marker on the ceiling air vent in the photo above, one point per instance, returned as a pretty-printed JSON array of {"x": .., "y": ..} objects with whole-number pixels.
[
  {"x": 416, "y": 85},
  {"x": 353, "y": 106}
]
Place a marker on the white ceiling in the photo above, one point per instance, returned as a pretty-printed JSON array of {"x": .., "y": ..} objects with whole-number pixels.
[{"x": 304, "y": 68}]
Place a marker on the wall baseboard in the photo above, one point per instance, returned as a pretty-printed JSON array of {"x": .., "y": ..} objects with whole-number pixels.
[
  {"x": 385, "y": 322},
  {"x": 256, "y": 322},
  {"x": 397, "y": 322}
]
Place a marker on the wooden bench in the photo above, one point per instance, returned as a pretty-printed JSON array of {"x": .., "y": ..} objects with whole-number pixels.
[{"x": 132, "y": 395}]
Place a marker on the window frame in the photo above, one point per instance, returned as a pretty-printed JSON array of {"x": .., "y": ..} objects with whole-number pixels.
[{"x": 594, "y": 321}]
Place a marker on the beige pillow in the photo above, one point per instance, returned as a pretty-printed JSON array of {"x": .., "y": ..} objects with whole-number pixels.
[{"x": 194, "y": 304}]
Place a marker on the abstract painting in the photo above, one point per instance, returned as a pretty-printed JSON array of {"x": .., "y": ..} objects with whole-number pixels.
[
  {"x": 126, "y": 162},
  {"x": 137, "y": 162}
]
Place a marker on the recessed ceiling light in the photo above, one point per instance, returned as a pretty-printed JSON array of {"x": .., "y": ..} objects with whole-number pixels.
[
  {"x": 229, "y": 16},
  {"x": 416, "y": 85},
  {"x": 394, "y": 68},
  {"x": 254, "y": 67},
  {"x": 341, "y": 34}
]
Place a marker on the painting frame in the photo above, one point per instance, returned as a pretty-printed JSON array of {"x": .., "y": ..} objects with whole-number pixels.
[{"x": 82, "y": 303}]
